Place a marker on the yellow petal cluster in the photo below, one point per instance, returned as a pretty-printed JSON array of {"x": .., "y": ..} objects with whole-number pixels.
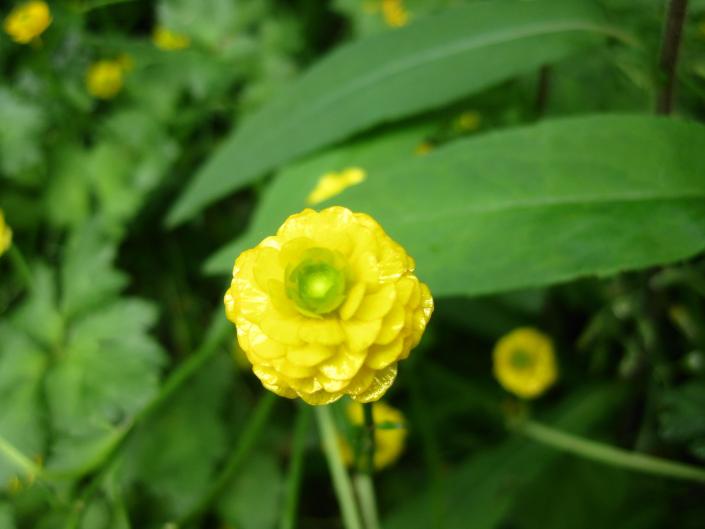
[
  {"x": 5, "y": 235},
  {"x": 394, "y": 13},
  {"x": 332, "y": 184},
  {"x": 390, "y": 433},
  {"x": 327, "y": 307},
  {"x": 27, "y": 21},
  {"x": 106, "y": 78},
  {"x": 168, "y": 40},
  {"x": 525, "y": 363}
]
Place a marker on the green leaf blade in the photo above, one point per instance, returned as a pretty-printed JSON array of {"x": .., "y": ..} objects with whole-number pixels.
[
  {"x": 543, "y": 204},
  {"x": 390, "y": 76}
]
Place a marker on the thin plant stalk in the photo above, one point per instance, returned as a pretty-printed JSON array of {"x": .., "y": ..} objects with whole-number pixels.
[
  {"x": 341, "y": 480},
  {"x": 245, "y": 443},
  {"x": 293, "y": 482},
  {"x": 363, "y": 480},
  {"x": 21, "y": 267},
  {"x": 608, "y": 455},
  {"x": 668, "y": 60}
]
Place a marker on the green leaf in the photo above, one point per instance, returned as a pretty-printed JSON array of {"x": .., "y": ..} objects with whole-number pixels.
[
  {"x": 543, "y": 204},
  {"x": 22, "y": 366},
  {"x": 481, "y": 491},
  {"x": 254, "y": 499},
  {"x": 174, "y": 454},
  {"x": 392, "y": 75},
  {"x": 88, "y": 277}
]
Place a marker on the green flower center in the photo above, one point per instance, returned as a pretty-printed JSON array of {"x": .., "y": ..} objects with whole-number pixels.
[
  {"x": 521, "y": 360},
  {"x": 316, "y": 284}
]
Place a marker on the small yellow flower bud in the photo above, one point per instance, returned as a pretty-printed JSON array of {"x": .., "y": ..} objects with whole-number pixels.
[
  {"x": 524, "y": 362},
  {"x": 168, "y": 40},
  {"x": 390, "y": 433},
  {"x": 5, "y": 235},
  {"x": 394, "y": 13},
  {"x": 327, "y": 307},
  {"x": 27, "y": 21},
  {"x": 468, "y": 121},
  {"x": 105, "y": 79}
]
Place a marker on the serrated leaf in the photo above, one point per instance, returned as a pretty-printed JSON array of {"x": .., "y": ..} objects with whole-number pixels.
[
  {"x": 87, "y": 274},
  {"x": 22, "y": 366},
  {"x": 173, "y": 455},
  {"x": 393, "y": 75}
]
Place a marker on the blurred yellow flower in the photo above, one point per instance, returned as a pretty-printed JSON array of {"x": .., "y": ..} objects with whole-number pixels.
[
  {"x": 27, "y": 21},
  {"x": 394, "y": 13},
  {"x": 168, "y": 40},
  {"x": 327, "y": 307},
  {"x": 423, "y": 148},
  {"x": 390, "y": 433},
  {"x": 332, "y": 184},
  {"x": 524, "y": 362},
  {"x": 105, "y": 78},
  {"x": 5, "y": 234},
  {"x": 468, "y": 121}
]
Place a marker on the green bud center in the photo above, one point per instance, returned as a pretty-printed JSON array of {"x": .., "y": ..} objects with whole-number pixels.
[
  {"x": 316, "y": 284},
  {"x": 522, "y": 360}
]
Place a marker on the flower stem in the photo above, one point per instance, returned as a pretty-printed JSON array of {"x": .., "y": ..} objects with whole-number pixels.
[
  {"x": 293, "y": 483},
  {"x": 237, "y": 457},
  {"x": 363, "y": 480},
  {"x": 18, "y": 459},
  {"x": 606, "y": 454},
  {"x": 670, "y": 44},
  {"x": 364, "y": 486},
  {"x": 21, "y": 266},
  {"x": 341, "y": 480}
]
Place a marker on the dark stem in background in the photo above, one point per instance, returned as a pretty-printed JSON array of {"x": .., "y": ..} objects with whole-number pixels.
[
  {"x": 368, "y": 440},
  {"x": 668, "y": 61},
  {"x": 543, "y": 90},
  {"x": 363, "y": 479}
]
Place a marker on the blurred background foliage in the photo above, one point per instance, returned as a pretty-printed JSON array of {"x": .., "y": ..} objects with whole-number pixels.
[{"x": 117, "y": 302}]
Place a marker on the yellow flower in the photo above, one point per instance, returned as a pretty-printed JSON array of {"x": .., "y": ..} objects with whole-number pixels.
[
  {"x": 105, "y": 79},
  {"x": 5, "y": 235},
  {"x": 168, "y": 40},
  {"x": 524, "y": 362},
  {"x": 332, "y": 184},
  {"x": 390, "y": 433},
  {"x": 394, "y": 13},
  {"x": 27, "y": 21},
  {"x": 327, "y": 307},
  {"x": 468, "y": 121}
]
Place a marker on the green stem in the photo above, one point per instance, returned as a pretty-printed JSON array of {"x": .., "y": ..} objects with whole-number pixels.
[
  {"x": 21, "y": 266},
  {"x": 364, "y": 486},
  {"x": 608, "y": 455},
  {"x": 246, "y": 442},
  {"x": 363, "y": 481},
  {"x": 12, "y": 454},
  {"x": 88, "y": 6},
  {"x": 293, "y": 482},
  {"x": 341, "y": 480}
]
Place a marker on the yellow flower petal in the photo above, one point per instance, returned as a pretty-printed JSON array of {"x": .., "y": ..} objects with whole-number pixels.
[
  {"x": 27, "y": 21},
  {"x": 327, "y": 306},
  {"x": 524, "y": 362}
]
